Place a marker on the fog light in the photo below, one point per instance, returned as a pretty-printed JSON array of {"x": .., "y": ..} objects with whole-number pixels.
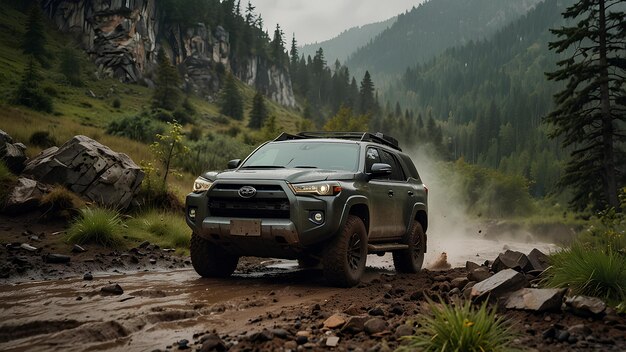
[
  {"x": 192, "y": 213},
  {"x": 316, "y": 217}
]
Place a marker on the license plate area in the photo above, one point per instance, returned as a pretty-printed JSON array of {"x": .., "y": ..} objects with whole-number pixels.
[{"x": 245, "y": 227}]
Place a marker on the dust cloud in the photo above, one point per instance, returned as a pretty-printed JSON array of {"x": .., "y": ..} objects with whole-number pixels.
[{"x": 451, "y": 229}]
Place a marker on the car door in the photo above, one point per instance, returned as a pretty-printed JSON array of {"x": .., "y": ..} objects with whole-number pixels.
[
  {"x": 383, "y": 214},
  {"x": 398, "y": 194}
]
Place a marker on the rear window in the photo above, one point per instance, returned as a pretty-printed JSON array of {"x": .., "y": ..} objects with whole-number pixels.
[{"x": 306, "y": 154}]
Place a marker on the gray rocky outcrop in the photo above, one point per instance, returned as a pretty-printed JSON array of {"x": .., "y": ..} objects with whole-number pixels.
[
  {"x": 123, "y": 38},
  {"x": 89, "y": 169},
  {"x": 13, "y": 154}
]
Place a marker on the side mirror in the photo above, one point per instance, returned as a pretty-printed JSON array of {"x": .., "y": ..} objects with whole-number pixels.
[
  {"x": 234, "y": 163},
  {"x": 380, "y": 170}
]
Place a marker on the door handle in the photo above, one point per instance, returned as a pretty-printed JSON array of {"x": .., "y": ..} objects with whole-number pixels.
[
  {"x": 410, "y": 193},
  {"x": 390, "y": 193}
]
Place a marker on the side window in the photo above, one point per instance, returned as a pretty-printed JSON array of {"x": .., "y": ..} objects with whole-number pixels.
[
  {"x": 397, "y": 173},
  {"x": 371, "y": 158}
]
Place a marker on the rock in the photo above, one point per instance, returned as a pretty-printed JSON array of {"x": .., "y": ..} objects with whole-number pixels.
[
  {"x": 112, "y": 290},
  {"x": 13, "y": 154},
  {"x": 301, "y": 340},
  {"x": 332, "y": 341},
  {"x": 334, "y": 321},
  {"x": 376, "y": 312},
  {"x": 500, "y": 284},
  {"x": 375, "y": 326},
  {"x": 479, "y": 274},
  {"x": 538, "y": 260},
  {"x": 280, "y": 333},
  {"x": 469, "y": 266},
  {"x": 355, "y": 324},
  {"x": 459, "y": 282},
  {"x": 56, "y": 259},
  {"x": 88, "y": 276},
  {"x": 585, "y": 306},
  {"x": 78, "y": 249},
  {"x": 25, "y": 196},
  {"x": 28, "y": 247},
  {"x": 396, "y": 309},
  {"x": 153, "y": 261},
  {"x": 144, "y": 244},
  {"x": 404, "y": 330},
  {"x": 536, "y": 299},
  {"x": 264, "y": 335},
  {"x": 511, "y": 260},
  {"x": 580, "y": 330},
  {"x": 417, "y": 295},
  {"x": 212, "y": 342},
  {"x": 562, "y": 336},
  {"x": 90, "y": 169},
  {"x": 183, "y": 344}
]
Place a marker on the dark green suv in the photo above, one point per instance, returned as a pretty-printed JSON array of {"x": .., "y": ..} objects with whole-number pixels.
[{"x": 319, "y": 197}]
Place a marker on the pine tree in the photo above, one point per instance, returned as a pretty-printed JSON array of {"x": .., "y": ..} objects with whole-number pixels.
[
  {"x": 366, "y": 95},
  {"x": 278, "y": 46},
  {"x": 591, "y": 108},
  {"x": 34, "y": 40},
  {"x": 167, "y": 92},
  {"x": 231, "y": 101},
  {"x": 29, "y": 93},
  {"x": 294, "y": 54},
  {"x": 258, "y": 114}
]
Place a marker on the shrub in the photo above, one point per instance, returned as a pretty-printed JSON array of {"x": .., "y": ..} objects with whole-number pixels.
[
  {"x": 154, "y": 193},
  {"x": 195, "y": 134},
  {"x": 182, "y": 116},
  {"x": 140, "y": 128},
  {"x": 586, "y": 270},
  {"x": 42, "y": 139},
  {"x": 98, "y": 226},
  {"x": 463, "y": 328},
  {"x": 213, "y": 153},
  {"x": 116, "y": 103}
]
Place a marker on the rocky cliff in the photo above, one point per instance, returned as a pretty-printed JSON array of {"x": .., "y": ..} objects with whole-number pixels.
[{"x": 124, "y": 36}]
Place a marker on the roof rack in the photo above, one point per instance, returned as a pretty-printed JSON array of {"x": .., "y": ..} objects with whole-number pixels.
[{"x": 358, "y": 136}]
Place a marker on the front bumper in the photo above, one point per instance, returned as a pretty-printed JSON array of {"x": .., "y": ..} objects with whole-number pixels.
[{"x": 280, "y": 238}]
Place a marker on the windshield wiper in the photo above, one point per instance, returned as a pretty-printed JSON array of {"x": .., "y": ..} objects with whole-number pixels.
[
  {"x": 305, "y": 167},
  {"x": 263, "y": 167}
]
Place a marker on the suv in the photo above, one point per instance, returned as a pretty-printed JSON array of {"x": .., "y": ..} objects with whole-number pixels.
[{"x": 326, "y": 198}]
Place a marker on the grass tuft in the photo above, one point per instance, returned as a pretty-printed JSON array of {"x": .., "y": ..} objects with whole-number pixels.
[
  {"x": 461, "y": 328},
  {"x": 98, "y": 226},
  {"x": 61, "y": 202},
  {"x": 163, "y": 228},
  {"x": 591, "y": 271}
]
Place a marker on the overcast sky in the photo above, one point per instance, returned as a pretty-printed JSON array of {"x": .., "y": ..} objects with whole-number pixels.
[{"x": 318, "y": 20}]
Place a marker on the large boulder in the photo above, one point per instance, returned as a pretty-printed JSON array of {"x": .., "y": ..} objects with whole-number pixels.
[
  {"x": 90, "y": 169},
  {"x": 13, "y": 154},
  {"x": 538, "y": 260},
  {"x": 512, "y": 260}
]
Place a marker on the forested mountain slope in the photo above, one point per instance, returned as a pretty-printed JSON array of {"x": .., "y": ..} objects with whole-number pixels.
[
  {"x": 491, "y": 95},
  {"x": 346, "y": 43},
  {"x": 433, "y": 27}
]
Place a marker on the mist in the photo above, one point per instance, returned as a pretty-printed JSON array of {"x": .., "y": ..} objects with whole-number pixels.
[{"x": 451, "y": 227}]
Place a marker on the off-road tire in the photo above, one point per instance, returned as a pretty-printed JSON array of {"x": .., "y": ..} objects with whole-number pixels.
[
  {"x": 210, "y": 260},
  {"x": 345, "y": 255},
  {"x": 411, "y": 260}
]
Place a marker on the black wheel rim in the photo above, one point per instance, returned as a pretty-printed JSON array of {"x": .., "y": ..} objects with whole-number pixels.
[{"x": 354, "y": 251}]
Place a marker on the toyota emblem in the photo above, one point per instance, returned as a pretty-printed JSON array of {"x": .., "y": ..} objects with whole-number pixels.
[{"x": 247, "y": 192}]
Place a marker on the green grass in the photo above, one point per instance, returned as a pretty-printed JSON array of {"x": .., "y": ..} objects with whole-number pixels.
[
  {"x": 461, "y": 328},
  {"x": 591, "y": 271},
  {"x": 165, "y": 229},
  {"x": 97, "y": 226}
]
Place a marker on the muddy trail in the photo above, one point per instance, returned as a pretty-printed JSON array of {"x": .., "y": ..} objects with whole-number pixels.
[{"x": 266, "y": 305}]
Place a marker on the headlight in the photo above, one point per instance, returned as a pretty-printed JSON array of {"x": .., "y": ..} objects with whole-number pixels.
[
  {"x": 320, "y": 189},
  {"x": 201, "y": 184}
]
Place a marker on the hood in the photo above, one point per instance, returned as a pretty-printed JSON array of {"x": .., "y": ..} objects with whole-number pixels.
[{"x": 289, "y": 175}]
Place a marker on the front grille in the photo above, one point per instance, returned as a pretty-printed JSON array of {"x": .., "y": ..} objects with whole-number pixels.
[
  {"x": 234, "y": 186},
  {"x": 273, "y": 208}
]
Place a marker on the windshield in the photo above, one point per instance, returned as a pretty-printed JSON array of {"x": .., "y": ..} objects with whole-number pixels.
[{"x": 319, "y": 155}]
